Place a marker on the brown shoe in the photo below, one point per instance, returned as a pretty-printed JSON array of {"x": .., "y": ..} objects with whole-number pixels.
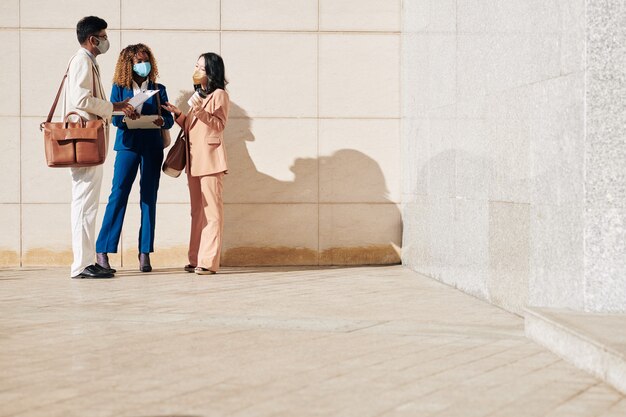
[
  {"x": 190, "y": 268},
  {"x": 203, "y": 271}
]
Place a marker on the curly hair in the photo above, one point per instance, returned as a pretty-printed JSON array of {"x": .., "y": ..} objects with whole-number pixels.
[{"x": 124, "y": 67}]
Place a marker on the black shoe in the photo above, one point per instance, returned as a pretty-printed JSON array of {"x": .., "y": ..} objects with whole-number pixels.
[
  {"x": 103, "y": 269},
  {"x": 102, "y": 261},
  {"x": 144, "y": 262},
  {"x": 190, "y": 268},
  {"x": 93, "y": 272}
]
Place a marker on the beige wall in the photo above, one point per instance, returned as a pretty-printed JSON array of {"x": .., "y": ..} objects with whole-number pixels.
[{"x": 313, "y": 139}]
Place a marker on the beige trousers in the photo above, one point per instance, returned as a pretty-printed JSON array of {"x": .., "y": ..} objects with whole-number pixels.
[
  {"x": 86, "y": 184},
  {"x": 207, "y": 220}
]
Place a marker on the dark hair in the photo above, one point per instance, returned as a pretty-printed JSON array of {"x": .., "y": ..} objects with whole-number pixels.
[
  {"x": 214, "y": 66},
  {"x": 89, "y": 26}
]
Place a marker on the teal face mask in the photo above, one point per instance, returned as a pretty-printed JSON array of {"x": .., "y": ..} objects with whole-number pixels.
[{"x": 142, "y": 69}]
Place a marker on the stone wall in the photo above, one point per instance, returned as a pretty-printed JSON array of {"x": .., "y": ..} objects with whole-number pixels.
[
  {"x": 605, "y": 157},
  {"x": 513, "y": 149}
]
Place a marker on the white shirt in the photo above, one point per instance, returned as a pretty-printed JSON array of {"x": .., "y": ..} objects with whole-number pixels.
[{"x": 139, "y": 89}]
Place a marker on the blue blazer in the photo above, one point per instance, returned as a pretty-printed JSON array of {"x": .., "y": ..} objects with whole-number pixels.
[{"x": 134, "y": 139}]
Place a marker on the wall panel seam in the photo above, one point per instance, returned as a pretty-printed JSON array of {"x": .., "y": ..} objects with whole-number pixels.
[
  {"x": 319, "y": 247},
  {"x": 19, "y": 39}
]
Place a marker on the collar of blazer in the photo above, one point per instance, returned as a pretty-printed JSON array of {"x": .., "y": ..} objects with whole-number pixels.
[{"x": 96, "y": 67}]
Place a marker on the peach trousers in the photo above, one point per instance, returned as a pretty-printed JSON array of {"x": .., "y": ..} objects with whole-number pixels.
[{"x": 207, "y": 220}]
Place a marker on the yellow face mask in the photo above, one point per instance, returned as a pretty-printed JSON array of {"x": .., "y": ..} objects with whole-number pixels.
[{"x": 199, "y": 77}]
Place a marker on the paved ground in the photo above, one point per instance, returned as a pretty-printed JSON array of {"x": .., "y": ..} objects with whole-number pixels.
[{"x": 274, "y": 342}]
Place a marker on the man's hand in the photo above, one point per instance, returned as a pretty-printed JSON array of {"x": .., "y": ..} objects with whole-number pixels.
[
  {"x": 123, "y": 106},
  {"x": 159, "y": 121}
]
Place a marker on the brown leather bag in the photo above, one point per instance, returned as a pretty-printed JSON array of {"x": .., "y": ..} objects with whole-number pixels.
[
  {"x": 78, "y": 143},
  {"x": 176, "y": 158}
]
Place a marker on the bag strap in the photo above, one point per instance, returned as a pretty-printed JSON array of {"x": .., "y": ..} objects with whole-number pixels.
[
  {"x": 158, "y": 99},
  {"x": 56, "y": 99}
]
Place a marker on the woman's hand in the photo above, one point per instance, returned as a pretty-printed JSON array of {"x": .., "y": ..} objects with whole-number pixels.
[
  {"x": 172, "y": 108},
  {"x": 159, "y": 121}
]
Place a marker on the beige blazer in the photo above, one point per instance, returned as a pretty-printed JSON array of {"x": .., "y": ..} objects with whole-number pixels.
[
  {"x": 206, "y": 154},
  {"x": 78, "y": 95}
]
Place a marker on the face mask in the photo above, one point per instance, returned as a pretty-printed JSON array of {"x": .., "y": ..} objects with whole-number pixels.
[
  {"x": 103, "y": 45},
  {"x": 199, "y": 77},
  {"x": 142, "y": 69}
]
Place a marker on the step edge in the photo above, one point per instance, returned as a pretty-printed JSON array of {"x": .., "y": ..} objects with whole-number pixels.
[
  {"x": 598, "y": 361},
  {"x": 543, "y": 314}
]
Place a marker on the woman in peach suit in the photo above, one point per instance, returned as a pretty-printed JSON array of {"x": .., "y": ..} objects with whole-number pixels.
[{"x": 206, "y": 161}]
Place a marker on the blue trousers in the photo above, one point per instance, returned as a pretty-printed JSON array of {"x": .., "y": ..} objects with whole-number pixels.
[{"x": 126, "y": 164}]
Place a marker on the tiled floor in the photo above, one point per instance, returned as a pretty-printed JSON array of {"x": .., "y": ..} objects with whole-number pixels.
[{"x": 274, "y": 342}]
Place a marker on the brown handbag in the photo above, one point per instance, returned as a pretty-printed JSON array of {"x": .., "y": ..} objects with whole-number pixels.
[
  {"x": 73, "y": 144},
  {"x": 176, "y": 158}
]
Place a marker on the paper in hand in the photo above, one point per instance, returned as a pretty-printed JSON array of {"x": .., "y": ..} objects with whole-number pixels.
[
  {"x": 144, "y": 122},
  {"x": 138, "y": 100}
]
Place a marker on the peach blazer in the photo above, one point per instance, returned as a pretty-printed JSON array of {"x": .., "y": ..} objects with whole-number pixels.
[{"x": 206, "y": 154}]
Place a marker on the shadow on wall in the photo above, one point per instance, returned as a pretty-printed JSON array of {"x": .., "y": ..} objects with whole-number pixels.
[{"x": 259, "y": 229}]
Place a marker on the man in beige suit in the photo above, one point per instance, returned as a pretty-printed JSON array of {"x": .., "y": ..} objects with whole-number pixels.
[{"x": 85, "y": 95}]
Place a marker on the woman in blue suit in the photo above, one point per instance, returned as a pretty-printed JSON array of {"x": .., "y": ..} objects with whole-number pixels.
[{"x": 141, "y": 149}]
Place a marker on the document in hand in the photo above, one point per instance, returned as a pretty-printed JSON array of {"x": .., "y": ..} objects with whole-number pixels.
[
  {"x": 144, "y": 122},
  {"x": 137, "y": 100}
]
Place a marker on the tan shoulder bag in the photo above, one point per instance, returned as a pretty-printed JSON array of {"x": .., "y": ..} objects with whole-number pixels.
[{"x": 73, "y": 144}]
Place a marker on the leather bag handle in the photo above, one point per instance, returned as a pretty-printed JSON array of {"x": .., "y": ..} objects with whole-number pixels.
[
  {"x": 66, "y": 120},
  {"x": 56, "y": 99}
]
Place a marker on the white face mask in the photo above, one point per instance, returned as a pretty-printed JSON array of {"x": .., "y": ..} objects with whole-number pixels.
[{"x": 103, "y": 45}]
